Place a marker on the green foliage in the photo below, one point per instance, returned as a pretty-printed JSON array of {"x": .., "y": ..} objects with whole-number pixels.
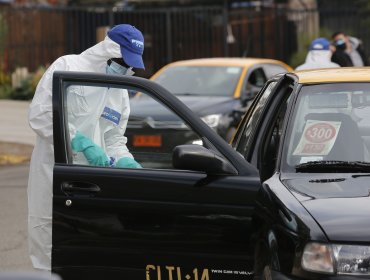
[
  {"x": 28, "y": 86},
  {"x": 3, "y": 33},
  {"x": 5, "y": 91},
  {"x": 5, "y": 86},
  {"x": 300, "y": 56},
  {"x": 25, "y": 91},
  {"x": 5, "y": 81},
  {"x": 363, "y": 13}
]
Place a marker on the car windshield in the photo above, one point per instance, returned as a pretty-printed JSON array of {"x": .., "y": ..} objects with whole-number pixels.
[
  {"x": 330, "y": 129},
  {"x": 200, "y": 80}
]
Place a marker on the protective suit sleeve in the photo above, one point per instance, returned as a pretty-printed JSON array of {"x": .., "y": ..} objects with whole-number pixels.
[
  {"x": 94, "y": 154},
  {"x": 115, "y": 141},
  {"x": 127, "y": 162},
  {"x": 40, "y": 114}
]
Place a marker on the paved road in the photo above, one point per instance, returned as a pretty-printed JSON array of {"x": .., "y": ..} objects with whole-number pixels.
[
  {"x": 13, "y": 122},
  {"x": 13, "y": 218},
  {"x": 13, "y": 186}
]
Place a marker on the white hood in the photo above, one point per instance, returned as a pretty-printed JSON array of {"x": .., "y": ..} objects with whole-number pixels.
[
  {"x": 318, "y": 59},
  {"x": 95, "y": 58},
  {"x": 354, "y": 42}
]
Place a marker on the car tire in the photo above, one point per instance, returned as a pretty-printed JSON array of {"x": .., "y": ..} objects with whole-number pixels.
[{"x": 266, "y": 260}]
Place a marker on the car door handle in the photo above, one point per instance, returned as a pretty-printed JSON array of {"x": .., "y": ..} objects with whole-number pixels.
[{"x": 80, "y": 188}]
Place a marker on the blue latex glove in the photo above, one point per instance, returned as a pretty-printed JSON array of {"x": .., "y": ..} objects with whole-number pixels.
[
  {"x": 127, "y": 162},
  {"x": 94, "y": 154}
]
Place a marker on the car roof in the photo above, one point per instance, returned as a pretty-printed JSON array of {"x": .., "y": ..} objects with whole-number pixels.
[
  {"x": 226, "y": 61},
  {"x": 334, "y": 75}
]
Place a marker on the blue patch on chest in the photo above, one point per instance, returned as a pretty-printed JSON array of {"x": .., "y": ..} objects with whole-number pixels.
[{"x": 111, "y": 115}]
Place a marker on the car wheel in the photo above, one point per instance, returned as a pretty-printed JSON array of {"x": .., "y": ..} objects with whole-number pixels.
[
  {"x": 261, "y": 262},
  {"x": 266, "y": 259}
]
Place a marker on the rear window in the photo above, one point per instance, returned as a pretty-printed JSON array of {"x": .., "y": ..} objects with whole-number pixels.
[{"x": 200, "y": 80}]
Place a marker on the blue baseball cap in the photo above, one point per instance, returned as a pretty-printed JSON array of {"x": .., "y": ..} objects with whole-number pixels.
[
  {"x": 320, "y": 44},
  {"x": 131, "y": 42}
]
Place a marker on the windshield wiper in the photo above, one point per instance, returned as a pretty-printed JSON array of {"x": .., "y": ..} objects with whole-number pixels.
[{"x": 334, "y": 166}]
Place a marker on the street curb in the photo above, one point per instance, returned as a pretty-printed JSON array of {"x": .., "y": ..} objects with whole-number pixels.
[{"x": 14, "y": 153}]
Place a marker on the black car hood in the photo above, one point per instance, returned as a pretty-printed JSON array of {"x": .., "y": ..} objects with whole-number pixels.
[
  {"x": 340, "y": 204},
  {"x": 201, "y": 105}
]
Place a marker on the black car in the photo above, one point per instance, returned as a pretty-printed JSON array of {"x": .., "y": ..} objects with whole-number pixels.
[{"x": 289, "y": 199}]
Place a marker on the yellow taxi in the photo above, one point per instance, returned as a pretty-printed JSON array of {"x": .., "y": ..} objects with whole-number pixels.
[{"x": 218, "y": 89}]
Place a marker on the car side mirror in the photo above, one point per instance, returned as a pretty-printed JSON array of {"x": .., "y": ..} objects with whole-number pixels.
[{"x": 198, "y": 158}]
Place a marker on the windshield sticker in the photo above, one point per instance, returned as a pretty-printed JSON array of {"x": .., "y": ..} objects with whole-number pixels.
[
  {"x": 318, "y": 138},
  {"x": 309, "y": 159},
  {"x": 233, "y": 70}
]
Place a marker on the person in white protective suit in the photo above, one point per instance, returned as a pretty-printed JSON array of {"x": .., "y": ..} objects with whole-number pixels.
[
  {"x": 318, "y": 56},
  {"x": 97, "y": 120},
  {"x": 97, "y": 123}
]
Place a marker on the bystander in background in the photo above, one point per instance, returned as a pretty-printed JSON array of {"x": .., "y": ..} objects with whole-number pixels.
[
  {"x": 318, "y": 56},
  {"x": 349, "y": 51}
]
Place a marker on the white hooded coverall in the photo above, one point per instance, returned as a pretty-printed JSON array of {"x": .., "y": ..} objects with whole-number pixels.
[
  {"x": 90, "y": 122},
  {"x": 317, "y": 59}
]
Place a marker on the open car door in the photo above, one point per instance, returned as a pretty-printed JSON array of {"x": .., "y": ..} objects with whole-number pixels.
[{"x": 186, "y": 214}]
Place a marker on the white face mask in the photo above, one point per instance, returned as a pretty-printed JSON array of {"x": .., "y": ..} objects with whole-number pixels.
[{"x": 117, "y": 69}]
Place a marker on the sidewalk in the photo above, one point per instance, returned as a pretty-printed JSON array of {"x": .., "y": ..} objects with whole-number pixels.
[
  {"x": 16, "y": 144},
  {"x": 16, "y": 137}
]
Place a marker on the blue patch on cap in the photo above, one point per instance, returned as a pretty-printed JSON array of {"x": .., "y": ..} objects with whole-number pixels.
[
  {"x": 111, "y": 115},
  {"x": 320, "y": 44},
  {"x": 131, "y": 42}
]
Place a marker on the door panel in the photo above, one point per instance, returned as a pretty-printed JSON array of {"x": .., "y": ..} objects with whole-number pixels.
[
  {"x": 187, "y": 220},
  {"x": 148, "y": 222}
]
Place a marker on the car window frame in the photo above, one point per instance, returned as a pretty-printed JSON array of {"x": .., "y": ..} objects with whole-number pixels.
[
  {"x": 248, "y": 115},
  {"x": 288, "y": 118},
  {"x": 249, "y": 72},
  {"x": 259, "y": 70},
  {"x": 269, "y": 118},
  {"x": 266, "y": 65},
  {"x": 210, "y": 138}
]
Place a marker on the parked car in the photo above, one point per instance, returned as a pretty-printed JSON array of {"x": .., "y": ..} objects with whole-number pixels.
[
  {"x": 217, "y": 89},
  {"x": 289, "y": 199}
]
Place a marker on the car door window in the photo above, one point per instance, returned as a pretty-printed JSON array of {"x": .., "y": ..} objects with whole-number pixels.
[
  {"x": 271, "y": 142},
  {"x": 255, "y": 80},
  {"x": 245, "y": 143},
  {"x": 106, "y": 128},
  {"x": 273, "y": 69}
]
